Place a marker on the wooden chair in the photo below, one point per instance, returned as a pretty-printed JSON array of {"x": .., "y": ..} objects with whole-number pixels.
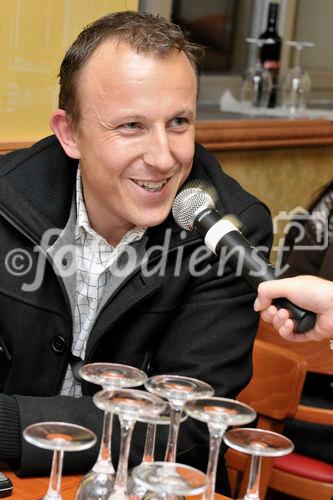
[
  {"x": 295, "y": 474},
  {"x": 274, "y": 392}
]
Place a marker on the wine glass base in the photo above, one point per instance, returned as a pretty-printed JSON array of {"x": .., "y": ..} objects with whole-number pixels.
[
  {"x": 134, "y": 489},
  {"x": 258, "y": 442},
  {"x": 119, "y": 496},
  {"x": 169, "y": 479},
  {"x": 95, "y": 486},
  {"x": 51, "y": 496},
  {"x": 250, "y": 497}
]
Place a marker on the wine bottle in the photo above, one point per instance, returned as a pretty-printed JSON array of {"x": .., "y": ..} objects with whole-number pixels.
[{"x": 270, "y": 53}]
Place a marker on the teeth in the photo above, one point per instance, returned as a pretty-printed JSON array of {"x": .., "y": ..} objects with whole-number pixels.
[{"x": 151, "y": 186}]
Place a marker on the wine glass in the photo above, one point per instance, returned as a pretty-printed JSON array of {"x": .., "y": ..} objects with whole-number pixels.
[
  {"x": 169, "y": 479},
  {"x": 129, "y": 405},
  {"x": 98, "y": 483},
  {"x": 258, "y": 443},
  {"x": 177, "y": 390},
  {"x": 297, "y": 83},
  {"x": 257, "y": 81},
  {"x": 59, "y": 437},
  {"x": 149, "y": 450},
  {"x": 218, "y": 413}
]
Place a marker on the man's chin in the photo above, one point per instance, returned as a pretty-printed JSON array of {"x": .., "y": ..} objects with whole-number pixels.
[{"x": 153, "y": 221}]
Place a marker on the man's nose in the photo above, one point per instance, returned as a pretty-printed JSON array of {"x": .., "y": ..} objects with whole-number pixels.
[{"x": 158, "y": 152}]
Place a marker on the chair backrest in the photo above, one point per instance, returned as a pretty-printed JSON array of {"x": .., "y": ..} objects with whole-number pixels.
[
  {"x": 276, "y": 385},
  {"x": 298, "y": 475},
  {"x": 317, "y": 354},
  {"x": 274, "y": 392},
  {"x": 319, "y": 358}
]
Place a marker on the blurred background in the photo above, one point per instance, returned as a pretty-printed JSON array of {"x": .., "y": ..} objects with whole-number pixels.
[{"x": 34, "y": 35}]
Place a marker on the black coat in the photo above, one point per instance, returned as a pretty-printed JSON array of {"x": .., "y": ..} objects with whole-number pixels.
[{"x": 201, "y": 326}]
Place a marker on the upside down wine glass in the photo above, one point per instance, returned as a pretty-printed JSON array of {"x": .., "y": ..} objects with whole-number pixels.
[
  {"x": 59, "y": 437},
  {"x": 218, "y": 413},
  {"x": 152, "y": 422},
  {"x": 177, "y": 390},
  {"x": 129, "y": 405},
  {"x": 98, "y": 483},
  {"x": 258, "y": 443},
  {"x": 169, "y": 480},
  {"x": 297, "y": 83},
  {"x": 257, "y": 81}
]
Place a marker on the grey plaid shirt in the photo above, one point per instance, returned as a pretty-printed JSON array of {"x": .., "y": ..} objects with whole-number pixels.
[{"x": 98, "y": 272}]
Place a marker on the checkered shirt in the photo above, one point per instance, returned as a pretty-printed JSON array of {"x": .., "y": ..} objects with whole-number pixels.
[{"x": 94, "y": 257}]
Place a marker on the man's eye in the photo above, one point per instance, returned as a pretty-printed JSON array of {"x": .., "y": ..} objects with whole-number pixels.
[
  {"x": 179, "y": 121},
  {"x": 131, "y": 125}
]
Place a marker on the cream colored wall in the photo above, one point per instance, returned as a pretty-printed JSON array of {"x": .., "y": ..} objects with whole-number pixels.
[
  {"x": 34, "y": 35},
  {"x": 283, "y": 178}
]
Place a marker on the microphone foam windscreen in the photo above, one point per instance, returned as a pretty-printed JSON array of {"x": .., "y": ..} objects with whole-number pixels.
[{"x": 193, "y": 196}]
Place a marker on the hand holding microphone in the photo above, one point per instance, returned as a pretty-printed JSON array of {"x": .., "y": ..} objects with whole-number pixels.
[{"x": 194, "y": 209}]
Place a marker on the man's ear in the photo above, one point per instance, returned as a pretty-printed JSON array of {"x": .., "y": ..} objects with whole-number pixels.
[{"x": 64, "y": 130}]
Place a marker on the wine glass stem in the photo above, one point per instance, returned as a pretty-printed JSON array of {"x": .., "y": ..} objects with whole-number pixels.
[
  {"x": 252, "y": 492},
  {"x": 215, "y": 438},
  {"x": 53, "y": 491},
  {"x": 258, "y": 61},
  {"x": 104, "y": 460},
  {"x": 148, "y": 454},
  {"x": 298, "y": 53},
  {"x": 175, "y": 417},
  {"x": 120, "y": 485}
]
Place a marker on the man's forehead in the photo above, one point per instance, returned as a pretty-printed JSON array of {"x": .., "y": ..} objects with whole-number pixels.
[
  {"x": 114, "y": 52},
  {"x": 117, "y": 80}
]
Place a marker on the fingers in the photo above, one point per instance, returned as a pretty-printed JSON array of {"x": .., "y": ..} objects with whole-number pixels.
[
  {"x": 269, "y": 314},
  {"x": 286, "y": 330},
  {"x": 270, "y": 290},
  {"x": 282, "y": 318},
  {"x": 261, "y": 302},
  {"x": 277, "y": 317}
]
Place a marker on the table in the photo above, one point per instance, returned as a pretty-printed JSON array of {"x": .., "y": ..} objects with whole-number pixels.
[{"x": 32, "y": 488}]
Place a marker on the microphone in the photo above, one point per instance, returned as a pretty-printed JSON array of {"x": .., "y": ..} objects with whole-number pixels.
[{"x": 194, "y": 210}]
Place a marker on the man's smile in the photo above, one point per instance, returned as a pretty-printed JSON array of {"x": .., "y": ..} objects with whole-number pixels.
[{"x": 151, "y": 185}]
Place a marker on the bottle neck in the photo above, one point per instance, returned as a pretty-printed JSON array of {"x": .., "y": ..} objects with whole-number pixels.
[{"x": 272, "y": 16}]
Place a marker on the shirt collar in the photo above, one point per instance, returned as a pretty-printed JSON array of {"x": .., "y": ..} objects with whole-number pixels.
[{"x": 83, "y": 226}]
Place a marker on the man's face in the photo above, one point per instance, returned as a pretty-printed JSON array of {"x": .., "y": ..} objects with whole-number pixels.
[{"x": 135, "y": 136}]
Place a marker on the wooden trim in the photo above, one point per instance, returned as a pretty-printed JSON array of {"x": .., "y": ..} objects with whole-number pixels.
[
  {"x": 263, "y": 134},
  {"x": 6, "y": 147},
  {"x": 314, "y": 414},
  {"x": 226, "y": 135},
  {"x": 303, "y": 487}
]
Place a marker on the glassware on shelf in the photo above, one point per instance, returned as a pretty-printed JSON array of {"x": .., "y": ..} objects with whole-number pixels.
[
  {"x": 257, "y": 81},
  {"x": 129, "y": 405},
  {"x": 149, "y": 450},
  {"x": 167, "y": 480},
  {"x": 59, "y": 437},
  {"x": 218, "y": 413},
  {"x": 177, "y": 390},
  {"x": 258, "y": 443},
  {"x": 97, "y": 484},
  {"x": 297, "y": 83}
]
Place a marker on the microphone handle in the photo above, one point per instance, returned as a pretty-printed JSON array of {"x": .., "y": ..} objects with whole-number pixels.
[{"x": 248, "y": 262}]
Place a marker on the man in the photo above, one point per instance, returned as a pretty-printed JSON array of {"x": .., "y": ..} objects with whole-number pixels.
[
  {"x": 309, "y": 292},
  {"x": 104, "y": 186}
]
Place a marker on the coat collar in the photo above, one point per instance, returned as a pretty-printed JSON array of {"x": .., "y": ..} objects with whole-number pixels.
[{"x": 36, "y": 190}]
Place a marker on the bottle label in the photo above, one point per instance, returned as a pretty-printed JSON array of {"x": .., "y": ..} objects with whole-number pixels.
[{"x": 271, "y": 64}]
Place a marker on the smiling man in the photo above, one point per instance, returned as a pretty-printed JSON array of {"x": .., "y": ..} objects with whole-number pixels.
[
  {"x": 142, "y": 138},
  {"x": 78, "y": 205}
]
